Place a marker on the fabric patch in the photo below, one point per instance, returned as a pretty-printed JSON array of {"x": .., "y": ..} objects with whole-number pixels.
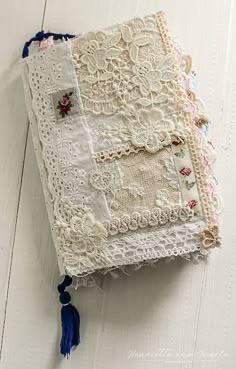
[
  {"x": 65, "y": 103},
  {"x": 139, "y": 181}
]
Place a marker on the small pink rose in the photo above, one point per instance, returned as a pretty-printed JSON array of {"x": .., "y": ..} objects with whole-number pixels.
[
  {"x": 185, "y": 171},
  {"x": 191, "y": 204},
  {"x": 64, "y": 101}
]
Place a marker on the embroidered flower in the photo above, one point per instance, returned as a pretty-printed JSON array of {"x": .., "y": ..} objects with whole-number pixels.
[
  {"x": 64, "y": 104},
  {"x": 64, "y": 101},
  {"x": 151, "y": 130},
  {"x": 185, "y": 171},
  {"x": 191, "y": 204},
  {"x": 149, "y": 79},
  {"x": 93, "y": 56}
]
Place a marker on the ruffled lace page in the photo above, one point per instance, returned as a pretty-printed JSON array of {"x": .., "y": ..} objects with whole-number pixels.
[{"x": 120, "y": 140}]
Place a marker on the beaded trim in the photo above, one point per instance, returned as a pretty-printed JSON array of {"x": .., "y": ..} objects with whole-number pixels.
[
  {"x": 192, "y": 143},
  {"x": 157, "y": 216}
]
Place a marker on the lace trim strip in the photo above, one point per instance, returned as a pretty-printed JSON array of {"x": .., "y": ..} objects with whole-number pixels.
[
  {"x": 147, "y": 218},
  {"x": 193, "y": 146}
]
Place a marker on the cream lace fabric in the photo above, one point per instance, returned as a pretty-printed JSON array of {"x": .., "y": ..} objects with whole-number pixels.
[{"x": 119, "y": 138}]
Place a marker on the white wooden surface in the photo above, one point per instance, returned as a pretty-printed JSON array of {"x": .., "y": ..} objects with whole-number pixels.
[{"x": 179, "y": 315}]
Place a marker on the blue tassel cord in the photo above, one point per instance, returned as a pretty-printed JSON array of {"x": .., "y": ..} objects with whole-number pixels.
[
  {"x": 40, "y": 36},
  {"x": 70, "y": 319}
]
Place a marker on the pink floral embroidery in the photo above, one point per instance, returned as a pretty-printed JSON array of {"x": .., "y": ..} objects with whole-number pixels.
[
  {"x": 191, "y": 204},
  {"x": 204, "y": 160},
  {"x": 185, "y": 171},
  {"x": 65, "y": 104},
  {"x": 64, "y": 101}
]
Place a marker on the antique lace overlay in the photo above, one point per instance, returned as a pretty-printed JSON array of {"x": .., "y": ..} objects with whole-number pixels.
[{"x": 126, "y": 172}]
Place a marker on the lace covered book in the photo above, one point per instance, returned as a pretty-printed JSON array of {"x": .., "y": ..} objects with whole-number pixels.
[{"x": 120, "y": 141}]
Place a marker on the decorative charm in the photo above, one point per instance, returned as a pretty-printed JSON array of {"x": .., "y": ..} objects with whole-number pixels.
[{"x": 210, "y": 236}]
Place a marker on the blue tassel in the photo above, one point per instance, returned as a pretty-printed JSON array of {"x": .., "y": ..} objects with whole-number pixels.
[{"x": 70, "y": 319}]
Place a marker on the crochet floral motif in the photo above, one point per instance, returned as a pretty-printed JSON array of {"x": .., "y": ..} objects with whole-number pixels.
[
  {"x": 87, "y": 233},
  {"x": 123, "y": 70},
  {"x": 151, "y": 130},
  {"x": 81, "y": 230},
  {"x": 94, "y": 56},
  {"x": 148, "y": 79}
]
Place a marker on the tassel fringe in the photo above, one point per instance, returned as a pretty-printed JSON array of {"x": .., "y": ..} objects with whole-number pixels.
[{"x": 70, "y": 320}]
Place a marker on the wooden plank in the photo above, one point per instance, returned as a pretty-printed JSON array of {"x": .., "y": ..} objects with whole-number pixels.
[
  {"x": 15, "y": 27},
  {"x": 153, "y": 309}
]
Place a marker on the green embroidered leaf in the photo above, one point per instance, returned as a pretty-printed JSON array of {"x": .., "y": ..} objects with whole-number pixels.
[
  {"x": 188, "y": 185},
  {"x": 196, "y": 211},
  {"x": 180, "y": 154}
]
